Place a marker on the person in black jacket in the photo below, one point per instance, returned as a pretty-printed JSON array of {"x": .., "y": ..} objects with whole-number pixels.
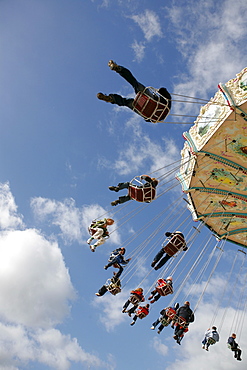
[
  {"x": 234, "y": 347},
  {"x": 187, "y": 314},
  {"x": 165, "y": 97}
]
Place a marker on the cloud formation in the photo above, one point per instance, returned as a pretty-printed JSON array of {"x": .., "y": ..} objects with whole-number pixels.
[{"x": 35, "y": 293}]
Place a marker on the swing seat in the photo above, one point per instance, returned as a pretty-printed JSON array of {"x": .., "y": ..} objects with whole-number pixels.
[
  {"x": 174, "y": 245},
  {"x": 135, "y": 300},
  {"x": 171, "y": 313},
  {"x": 211, "y": 341},
  {"x": 164, "y": 290},
  {"x": 114, "y": 290},
  {"x": 181, "y": 322},
  {"x": 151, "y": 105},
  {"x": 142, "y": 312},
  {"x": 165, "y": 322},
  {"x": 139, "y": 192}
]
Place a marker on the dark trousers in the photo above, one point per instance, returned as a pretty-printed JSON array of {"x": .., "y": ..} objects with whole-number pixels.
[
  {"x": 161, "y": 260},
  {"x": 137, "y": 86}
]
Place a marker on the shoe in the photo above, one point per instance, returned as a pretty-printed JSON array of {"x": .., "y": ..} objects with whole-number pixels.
[
  {"x": 113, "y": 188},
  {"x": 156, "y": 268},
  {"x": 123, "y": 310},
  {"x": 153, "y": 300},
  {"x": 175, "y": 337},
  {"x": 150, "y": 297},
  {"x": 129, "y": 313},
  {"x": 239, "y": 359},
  {"x": 92, "y": 247},
  {"x": 152, "y": 328},
  {"x": 97, "y": 294},
  {"x": 178, "y": 342},
  {"x": 104, "y": 97},
  {"x": 172, "y": 326},
  {"x": 113, "y": 66},
  {"x": 115, "y": 203},
  {"x": 158, "y": 331},
  {"x": 89, "y": 241},
  {"x": 133, "y": 323},
  {"x": 153, "y": 264},
  {"x": 106, "y": 267},
  {"x": 206, "y": 349},
  {"x": 203, "y": 347}
]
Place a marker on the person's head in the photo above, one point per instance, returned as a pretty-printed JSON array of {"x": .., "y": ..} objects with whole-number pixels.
[
  {"x": 139, "y": 290},
  {"x": 187, "y": 303},
  {"x": 214, "y": 328},
  {"x": 147, "y": 305},
  {"x": 176, "y": 306},
  {"x": 168, "y": 234},
  {"x": 233, "y": 335},
  {"x": 109, "y": 221},
  {"x": 122, "y": 250},
  {"x": 169, "y": 278}
]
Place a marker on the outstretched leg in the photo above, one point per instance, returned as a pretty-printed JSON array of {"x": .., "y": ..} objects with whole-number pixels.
[
  {"x": 127, "y": 75},
  {"x": 162, "y": 262}
]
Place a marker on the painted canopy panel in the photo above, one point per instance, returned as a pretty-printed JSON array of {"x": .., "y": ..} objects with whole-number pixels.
[{"x": 213, "y": 168}]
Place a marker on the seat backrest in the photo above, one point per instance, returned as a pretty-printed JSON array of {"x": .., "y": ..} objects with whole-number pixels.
[
  {"x": 151, "y": 107},
  {"x": 142, "y": 194}
]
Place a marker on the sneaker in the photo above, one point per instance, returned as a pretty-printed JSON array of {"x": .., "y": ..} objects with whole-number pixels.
[
  {"x": 206, "y": 348},
  {"x": 152, "y": 328},
  {"x": 115, "y": 203},
  {"x": 203, "y": 347},
  {"x": 133, "y": 322},
  {"x": 97, "y": 294},
  {"x": 175, "y": 337},
  {"x": 113, "y": 66},
  {"x": 239, "y": 359},
  {"x": 150, "y": 297},
  {"x": 158, "y": 331},
  {"x": 153, "y": 300},
  {"x": 104, "y": 97},
  {"x": 106, "y": 267},
  {"x": 114, "y": 188},
  {"x": 129, "y": 313},
  {"x": 153, "y": 264},
  {"x": 92, "y": 247},
  {"x": 123, "y": 310}
]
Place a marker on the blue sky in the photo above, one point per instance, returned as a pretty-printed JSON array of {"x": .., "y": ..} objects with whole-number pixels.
[{"x": 60, "y": 149}]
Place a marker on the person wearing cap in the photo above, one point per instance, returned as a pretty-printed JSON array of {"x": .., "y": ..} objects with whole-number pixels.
[
  {"x": 165, "y": 97},
  {"x": 211, "y": 337},
  {"x": 117, "y": 260},
  {"x": 136, "y": 296},
  {"x": 234, "y": 347},
  {"x": 99, "y": 232},
  {"x": 175, "y": 244},
  {"x": 186, "y": 313},
  {"x": 151, "y": 182},
  {"x": 163, "y": 287}
]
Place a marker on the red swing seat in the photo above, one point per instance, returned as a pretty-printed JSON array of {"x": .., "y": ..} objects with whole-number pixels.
[
  {"x": 155, "y": 110},
  {"x": 139, "y": 192},
  {"x": 142, "y": 312},
  {"x": 171, "y": 313}
]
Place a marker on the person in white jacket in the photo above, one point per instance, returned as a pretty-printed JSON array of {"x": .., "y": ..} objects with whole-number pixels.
[{"x": 211, "y": 337}]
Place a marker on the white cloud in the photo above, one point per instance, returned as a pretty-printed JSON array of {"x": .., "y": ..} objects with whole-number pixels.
[
  {"x": 139, "y": 50},
  {"x": 35, "y": 293},
  {"x": 143, "y": 154},
  {"x": 149, "y": 23},
  {"x": 213, "y": 47},
  {"x": 49, "y": 347},
  {"x": 34, "y": 282},
  {"x": 72, "y": 221},
  {"x": 159, "y": 347},
  {"x": 8, "y": 215}
]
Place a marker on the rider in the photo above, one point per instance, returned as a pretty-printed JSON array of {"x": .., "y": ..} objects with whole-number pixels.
[
  {"x": 150, "y": 182},
  {"x": 165, "y": 97},
  {"x": 99, "y": 232},
  {"x": 117, "y": 260},
  {"x": 163, "y": 287}
]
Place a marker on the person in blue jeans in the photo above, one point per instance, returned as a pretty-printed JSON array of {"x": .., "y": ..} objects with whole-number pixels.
[
  {"x": 117, "y": 260},
  {"x": 137, "y": 86},
  {"x": 149, "y": 182}
]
